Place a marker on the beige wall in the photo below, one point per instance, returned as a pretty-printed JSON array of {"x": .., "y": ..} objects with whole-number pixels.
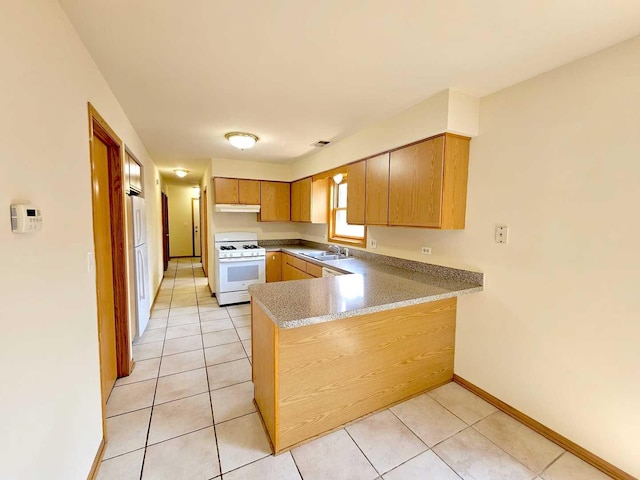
[
  {"x": 556, "y": 331},
  {"x": 180, "y": 220},
  {"x": 449, "y": 110},
  {"x": 51, "y": 421}
]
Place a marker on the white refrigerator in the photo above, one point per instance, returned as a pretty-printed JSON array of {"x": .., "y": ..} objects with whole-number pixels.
[{"x": 141, "y": 264}]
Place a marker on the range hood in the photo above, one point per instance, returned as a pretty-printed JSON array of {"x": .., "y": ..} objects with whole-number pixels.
[{"x": 237, "y": 208}]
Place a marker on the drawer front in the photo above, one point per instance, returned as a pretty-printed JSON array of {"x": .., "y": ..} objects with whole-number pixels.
[
  {"x": 313, "y": 269},
  {"x": 296, "y": 262}
]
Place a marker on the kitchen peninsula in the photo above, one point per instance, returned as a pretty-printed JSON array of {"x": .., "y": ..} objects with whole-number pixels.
[{"x": 329, "y": 350}]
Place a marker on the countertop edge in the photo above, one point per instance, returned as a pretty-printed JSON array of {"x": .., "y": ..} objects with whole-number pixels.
[{"x": 287, "y": 324}]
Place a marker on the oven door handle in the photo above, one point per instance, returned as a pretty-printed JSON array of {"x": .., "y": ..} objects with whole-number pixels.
[{"x": 241, "y": 259}]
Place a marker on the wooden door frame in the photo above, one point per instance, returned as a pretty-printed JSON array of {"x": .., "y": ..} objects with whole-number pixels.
[
  {"x": 204, "y": 232},
  {"x": 99, "y": 128}
]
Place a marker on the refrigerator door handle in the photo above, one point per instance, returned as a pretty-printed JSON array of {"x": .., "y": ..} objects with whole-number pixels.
[{"x": 142, "y": 291}]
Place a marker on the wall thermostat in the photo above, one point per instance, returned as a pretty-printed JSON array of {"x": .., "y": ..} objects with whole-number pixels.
[{"x": 25, "y": 218}]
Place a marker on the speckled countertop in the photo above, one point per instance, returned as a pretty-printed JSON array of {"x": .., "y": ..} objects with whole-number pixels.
[{"x": 369, "y": 287}]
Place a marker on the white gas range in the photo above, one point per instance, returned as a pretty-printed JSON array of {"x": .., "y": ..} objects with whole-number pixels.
[{"x": 240, "y": 262}]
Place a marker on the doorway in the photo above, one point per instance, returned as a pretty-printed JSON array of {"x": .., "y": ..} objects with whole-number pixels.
[
  {"x": 109, "y": 237},
  {"x": 165, "y": 231},
  {"x": 195, "y": 222}
]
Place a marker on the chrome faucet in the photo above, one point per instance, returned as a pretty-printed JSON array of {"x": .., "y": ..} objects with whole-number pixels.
[{"x": 334, "y": 248}]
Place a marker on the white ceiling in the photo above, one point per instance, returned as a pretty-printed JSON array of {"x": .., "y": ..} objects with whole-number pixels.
[{"x": 297, "y": 71}]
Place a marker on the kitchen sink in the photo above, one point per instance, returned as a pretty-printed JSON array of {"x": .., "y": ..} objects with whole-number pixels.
[{"x": 325, "y": 256}]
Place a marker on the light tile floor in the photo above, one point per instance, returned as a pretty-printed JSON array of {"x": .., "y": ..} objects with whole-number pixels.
[{"x": 187, "y": 412}]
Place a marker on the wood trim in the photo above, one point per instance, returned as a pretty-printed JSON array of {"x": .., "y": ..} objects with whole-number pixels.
[
  {"x": 204, "y": 234},
  {"x": 93, "y": 473},
  {"x": 99, "y": 128},
  {"x": 102, "y": 130},
  {"x": 546, "y": 432}
]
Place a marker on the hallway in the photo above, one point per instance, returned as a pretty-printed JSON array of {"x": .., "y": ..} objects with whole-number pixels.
[{"x": 187, "y": 412}]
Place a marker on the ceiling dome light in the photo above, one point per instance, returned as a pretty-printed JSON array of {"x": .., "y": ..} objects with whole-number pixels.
[
  {"x": 181, "y": 172},
  {"x": 241, "y": 140}
]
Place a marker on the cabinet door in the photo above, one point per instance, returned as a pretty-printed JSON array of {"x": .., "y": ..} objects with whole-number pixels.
[
  {"x": 356, "y": 193},
  {"x": 226, "y": 190},
  {"x": 305, "y": 199},
  {"x": 249, "y": 192},
  {"x": 133, "y": 175},
  {"x": 275, "y": 202},
  {"x": 377, "y": 190},
  {"x": 415, "y": 184},
  {"x": 295, "y": 201},
  {"x": 320, "y": 200},
  {"x": 274, "y": 267}
]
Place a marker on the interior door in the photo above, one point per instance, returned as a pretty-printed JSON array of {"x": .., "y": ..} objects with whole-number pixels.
[
  {"x": 165, "y": 230},
  {"x": 195, "y": 220},
  {"x": 104, "y": 271}
]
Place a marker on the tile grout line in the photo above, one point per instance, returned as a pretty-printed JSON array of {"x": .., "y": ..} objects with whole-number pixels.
[
  {"x": 153, "y": 401},
  {"x": 436, "y": 444},
  {"x": 213, "y": 418},
  {"x": 363, "y": 454}
]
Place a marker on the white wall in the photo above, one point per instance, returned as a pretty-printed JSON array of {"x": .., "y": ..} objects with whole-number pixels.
[
  {"x": 180, "y": 220},
  {"x": 555, "y": 333},
  {"x": 50, "y": 395}
]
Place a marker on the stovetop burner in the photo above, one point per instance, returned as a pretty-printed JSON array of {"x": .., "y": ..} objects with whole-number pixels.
[
  {"x": 227, "y": 247},
  {"x": 250, "y": 247}
]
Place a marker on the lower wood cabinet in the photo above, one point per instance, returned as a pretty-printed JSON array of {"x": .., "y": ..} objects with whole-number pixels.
[
  {"x": 294, "y": 268},
  {"x": 274, "y": 266}
]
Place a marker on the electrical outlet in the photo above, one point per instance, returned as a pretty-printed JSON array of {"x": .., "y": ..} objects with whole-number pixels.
[
  {"x": 502, "y": 233},
  {"x": 426, "y": 250},
  {"x": 373, "y": 243}
]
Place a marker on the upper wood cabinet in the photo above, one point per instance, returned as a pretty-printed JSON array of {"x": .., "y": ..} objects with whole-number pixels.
[
  {"x": 428, "y": 183},
  {"x": 309, "y": 201},
  {"x": 296, "y": 188},
  {"x": 275, "y": 202},
  {"x": 356, "y": 192},
  {"x": 133, "y": 175},
  {"x": 236, "y": 191},
  {"x": 368, "y": 192},
  {"x": 249, "y": 192},
  {"x": 377, "y": 190}
]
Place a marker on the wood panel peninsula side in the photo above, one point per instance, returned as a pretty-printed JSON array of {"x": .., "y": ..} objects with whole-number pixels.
[
  {"x": 327, "y": 351},
  {"x": 312, "y": 379}
]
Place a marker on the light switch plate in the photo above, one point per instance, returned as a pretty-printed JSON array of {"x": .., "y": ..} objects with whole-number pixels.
[
  {"x": 373, "y": 243},
  {"x": 502, "y": 233}
]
